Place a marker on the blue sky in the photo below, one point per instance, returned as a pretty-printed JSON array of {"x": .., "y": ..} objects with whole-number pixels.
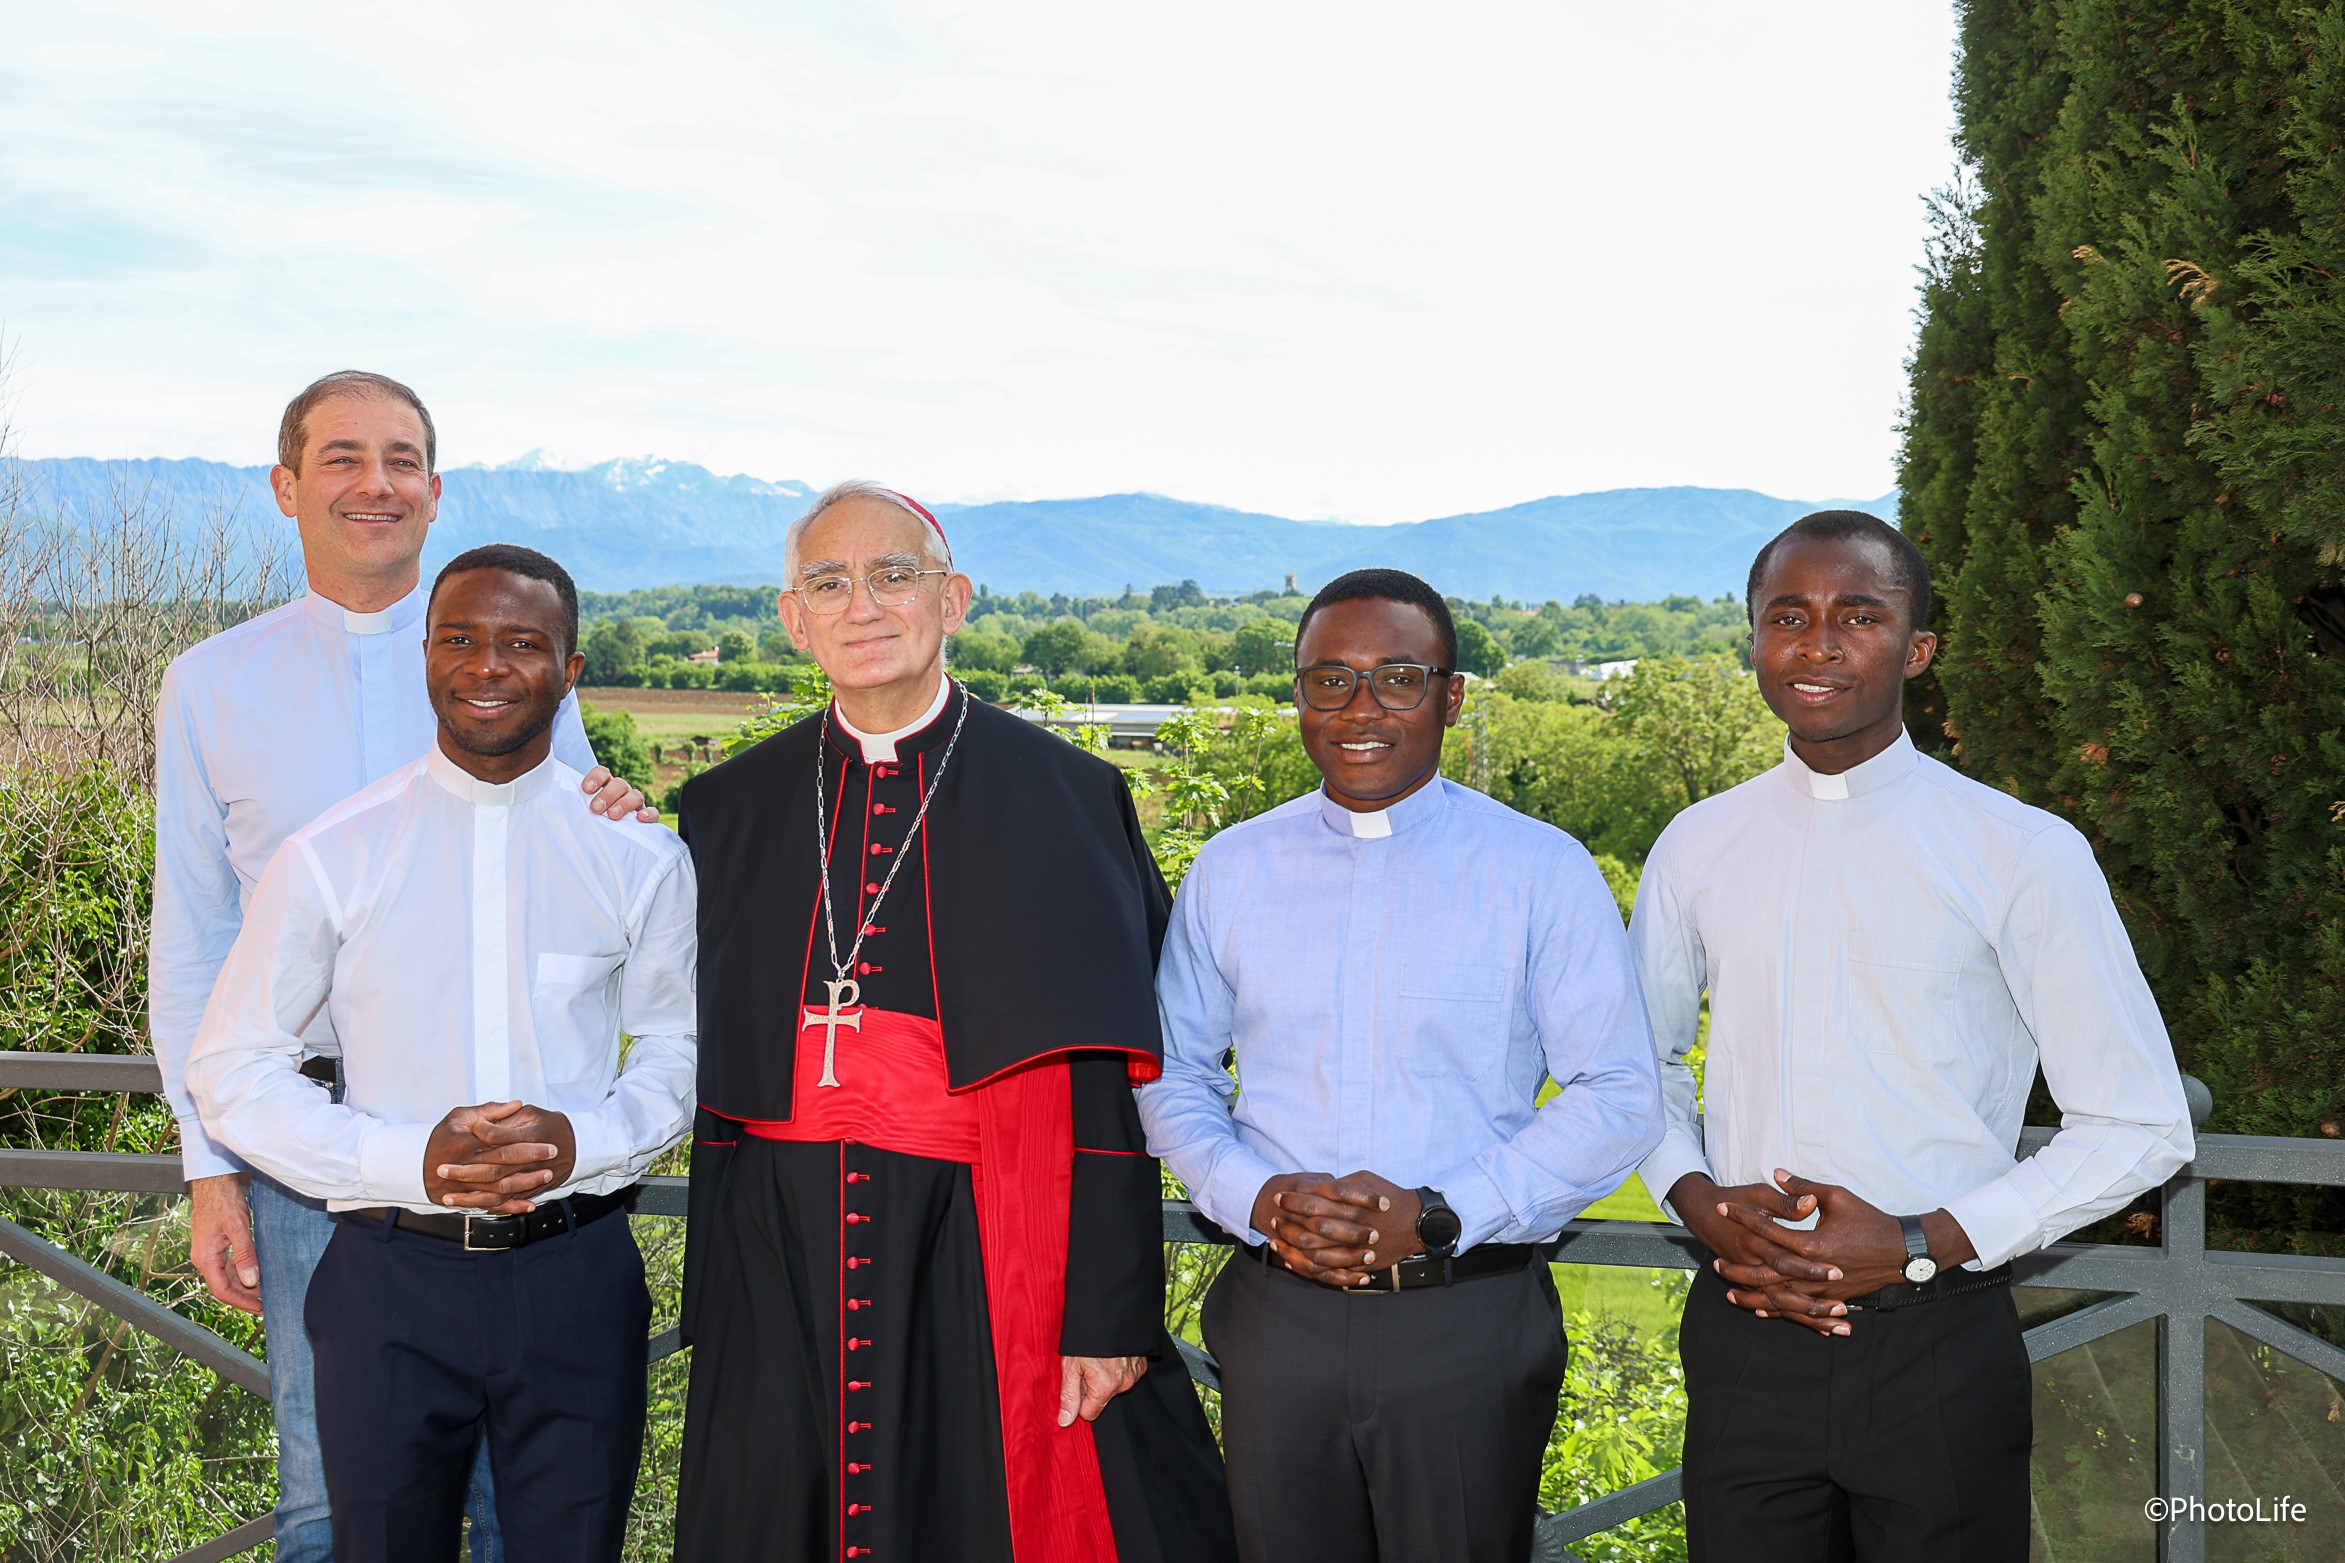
[{"x": 1362, "y": 260}]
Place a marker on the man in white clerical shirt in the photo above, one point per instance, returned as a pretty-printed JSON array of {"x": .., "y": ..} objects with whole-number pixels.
[
  {"x": 479, "y": 944},
  {"x": 1889, "y": 949},
  {"x": 259, "y": 729}
]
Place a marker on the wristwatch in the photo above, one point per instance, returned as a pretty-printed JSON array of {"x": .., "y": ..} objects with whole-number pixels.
[
  {"x": 1919, "y": 1266},
  {"x": 1437, "y": 1225}
]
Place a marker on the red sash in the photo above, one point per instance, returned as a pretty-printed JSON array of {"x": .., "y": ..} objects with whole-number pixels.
[{"x": 1016, "y": 1132}]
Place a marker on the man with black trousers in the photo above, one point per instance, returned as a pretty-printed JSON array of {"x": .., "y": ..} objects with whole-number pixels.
[
  {"x": 1889, "y": 949},
  {"x": 1399, "y": 964},
  {"x": 480, "y": 945}
]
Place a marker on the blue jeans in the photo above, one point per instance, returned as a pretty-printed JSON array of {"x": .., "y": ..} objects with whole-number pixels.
[{"x": 289, "y": 1233}]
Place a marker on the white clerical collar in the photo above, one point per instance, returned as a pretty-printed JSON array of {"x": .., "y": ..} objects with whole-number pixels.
[
  {"x": 462, "y": 783},
  {"x": 1376, "y": 824},
  {"x": 1892, "y": 764},
  {"x": 880, "y": 748},
  {"x": 407, "y": 611}
]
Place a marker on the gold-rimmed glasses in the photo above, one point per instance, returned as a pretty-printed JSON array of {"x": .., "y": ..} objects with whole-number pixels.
[{"x": 891, "y": 586}]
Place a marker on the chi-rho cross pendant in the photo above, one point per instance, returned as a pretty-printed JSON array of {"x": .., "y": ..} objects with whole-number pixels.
[{"x": 843, "y": 992}]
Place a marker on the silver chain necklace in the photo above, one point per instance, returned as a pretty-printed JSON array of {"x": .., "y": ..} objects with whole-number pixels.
[{"x": 844, "y": 990}]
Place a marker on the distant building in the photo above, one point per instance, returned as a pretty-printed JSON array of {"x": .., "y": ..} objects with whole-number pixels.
[
  {"x": 709, "y": 656},
  {"x": 1613, "y": 669},
  {"x": 1291, "y": 590}
]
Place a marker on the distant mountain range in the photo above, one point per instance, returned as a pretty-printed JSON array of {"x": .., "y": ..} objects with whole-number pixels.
[{"x": 652, "y": 523}]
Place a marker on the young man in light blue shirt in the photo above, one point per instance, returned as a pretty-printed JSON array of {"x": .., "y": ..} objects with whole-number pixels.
[{"x": 1399, "y": 965}]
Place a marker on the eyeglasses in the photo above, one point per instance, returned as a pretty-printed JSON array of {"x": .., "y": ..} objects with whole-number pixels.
[
  {"x": 891, "y": 586},
  {"x": 1397, "y": 686}
]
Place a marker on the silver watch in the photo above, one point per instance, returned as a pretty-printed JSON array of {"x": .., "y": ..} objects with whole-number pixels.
[{"x": 1919, "y": 1266}]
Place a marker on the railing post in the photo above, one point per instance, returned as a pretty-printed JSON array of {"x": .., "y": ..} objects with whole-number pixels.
[{"x": 2182, "y": 1372}]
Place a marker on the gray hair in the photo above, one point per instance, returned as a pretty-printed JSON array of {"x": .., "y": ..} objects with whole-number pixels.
[{"x": 935, "y": 552}]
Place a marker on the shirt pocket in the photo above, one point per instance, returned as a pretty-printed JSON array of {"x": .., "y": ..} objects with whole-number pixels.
[
  {"x": 574, "y": 1003},
  {"x": 1452, "y": 1019},
  {"x": 1900, "y": 992}
]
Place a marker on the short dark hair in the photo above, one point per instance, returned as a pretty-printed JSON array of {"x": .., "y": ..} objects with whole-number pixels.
[
  {"x": 1386, "y": 586},
  {"x": 293, "y": 428},
  {"x": 514, "y": 559},
  {"x": 1912, "y": 570}
]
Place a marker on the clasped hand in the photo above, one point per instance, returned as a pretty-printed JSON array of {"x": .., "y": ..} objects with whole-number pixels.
[
  {"x": 1336, "y": 1230},
  {"x": 491, "y": 1157},
  {"x": 1807, "y": 1276}
]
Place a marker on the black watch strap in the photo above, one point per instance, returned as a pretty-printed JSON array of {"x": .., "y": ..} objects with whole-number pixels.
[{"x": 1917, "y": 1243}]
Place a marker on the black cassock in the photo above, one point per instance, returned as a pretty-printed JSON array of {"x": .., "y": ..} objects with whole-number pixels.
[{"x": 865, "y": 1264}]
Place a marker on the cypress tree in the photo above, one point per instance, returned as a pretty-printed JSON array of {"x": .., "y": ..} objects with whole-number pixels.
[{"x": 2125, "y": 450}]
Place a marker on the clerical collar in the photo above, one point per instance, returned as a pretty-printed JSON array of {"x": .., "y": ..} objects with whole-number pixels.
[
  {"x": 880, "y": 748},
  {"x": 1892, "y": 764},
  {"x": 1375, "y": 824},
  {"x": 406, "y": 613},
  {"x": 454, "y": 778}
]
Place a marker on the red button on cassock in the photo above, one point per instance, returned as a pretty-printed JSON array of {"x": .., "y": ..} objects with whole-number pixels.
[
  {"x": 877, "y": 850},
  {"x": 858, "y": 1427},
  {"x": 871, "y": 889},
  {"x": 856, "y": 1343},
  {"x": 854, "y": 1469},
  {"x": 858, "y": 1383},
  {"x": 857, "y": 1264},
  {"x": 858, "y": 1177},
  {"x": 854, "y": 1303},
  {"x": 854, "y": 1219}
]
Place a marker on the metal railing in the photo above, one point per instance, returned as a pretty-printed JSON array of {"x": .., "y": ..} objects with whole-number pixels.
[{"x": 2181, "y": 1284}]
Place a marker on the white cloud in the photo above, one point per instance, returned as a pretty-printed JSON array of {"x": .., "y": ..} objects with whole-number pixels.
[{"x": 1370, "y": 260}]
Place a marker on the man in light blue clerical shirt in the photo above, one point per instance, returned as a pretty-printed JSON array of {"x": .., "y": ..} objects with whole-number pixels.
[{"x": 1399, "y": 964}]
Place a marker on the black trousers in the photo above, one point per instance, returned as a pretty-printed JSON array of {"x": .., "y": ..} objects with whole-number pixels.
[
  {"x": 1905, "y": 1441},
  {"x": 423, "y": 1348},
  {"x": 1407, "y": 1427}
]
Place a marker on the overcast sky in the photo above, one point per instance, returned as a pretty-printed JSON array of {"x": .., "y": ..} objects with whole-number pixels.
[{"x": 1363, "y": 260}]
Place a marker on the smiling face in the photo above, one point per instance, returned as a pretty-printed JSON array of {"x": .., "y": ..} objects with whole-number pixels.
[
  {"x": 363, "y": 498},
  {"x": 1833, "y": 642},
  {"x": 1372, "y": 758},
  {"x": 884, "y": 662},
  {"x": 498, "y": 666}
]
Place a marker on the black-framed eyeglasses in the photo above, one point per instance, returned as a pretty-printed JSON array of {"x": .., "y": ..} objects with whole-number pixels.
[
  {"x": 1396, "y": 686},
  {"x": 891, "y": 586}
]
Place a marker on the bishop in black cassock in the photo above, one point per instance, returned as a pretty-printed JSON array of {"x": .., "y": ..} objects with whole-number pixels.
[{"x": 883, "y": 1274}]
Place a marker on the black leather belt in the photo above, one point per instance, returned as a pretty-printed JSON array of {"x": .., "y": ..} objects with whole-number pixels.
[
  {"x": 498, "y": 1234},
  {"x": 325, "y": 1071},
  {"x": 1946, "y": 1283},
  {"x": 1426, "y": 1270}
]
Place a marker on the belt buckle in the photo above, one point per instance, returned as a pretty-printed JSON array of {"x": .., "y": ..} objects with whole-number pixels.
[
  {"x": 485, "y": 1222},
  {"x": 1391, "y": 1285}
]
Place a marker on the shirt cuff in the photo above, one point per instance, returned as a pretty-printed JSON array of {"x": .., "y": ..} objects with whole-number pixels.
[
  {"x": 1482, "y": 1211},
  {"x": 390, "y": 1163},
  {"x": 600, "y": 1147},
  {"x": 1229, "y": 1194},
  {"x": 201, "y": 1156},
  {"x": 1678, "y": 1154},
  {"x": 1997, "y": 1221}
]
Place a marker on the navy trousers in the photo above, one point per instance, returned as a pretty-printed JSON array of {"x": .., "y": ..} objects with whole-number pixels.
[{"x": 423, "y": 1349}]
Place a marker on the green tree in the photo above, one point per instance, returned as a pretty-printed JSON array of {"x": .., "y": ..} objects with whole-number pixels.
[
  {"x": 1700, "y": 721},
  {"x": 1263, "y": 645},
  {"x": 974, "y": 648},
  {"x": 1056, "y": 648},
  {"x": 612, "y": 648},
  {"x": 618, "y": 745},
  {"x": 1478, "y": 651},
  {"x": 736, "y": 646},
  {"x": 2120, "y": 457}
]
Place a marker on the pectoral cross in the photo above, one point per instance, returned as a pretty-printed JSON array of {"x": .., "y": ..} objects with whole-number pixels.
[{"x": 842, "y": 992}]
